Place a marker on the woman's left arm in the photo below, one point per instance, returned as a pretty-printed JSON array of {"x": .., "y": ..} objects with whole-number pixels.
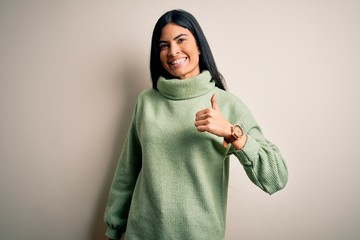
[
  {"x": 261, "y": 159},
  {"x": 262, "y": 162}
]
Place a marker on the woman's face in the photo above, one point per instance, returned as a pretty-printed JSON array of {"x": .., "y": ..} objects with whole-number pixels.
[{"x": 179, "y": 53}]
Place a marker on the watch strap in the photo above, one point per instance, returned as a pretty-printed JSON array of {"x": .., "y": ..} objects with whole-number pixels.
[{"x": 234, "y": 136}]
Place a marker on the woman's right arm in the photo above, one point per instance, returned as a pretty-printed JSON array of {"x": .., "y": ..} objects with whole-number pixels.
[
  {"x": 123, "y": 184},
  {"x": 121, "y": 238}
]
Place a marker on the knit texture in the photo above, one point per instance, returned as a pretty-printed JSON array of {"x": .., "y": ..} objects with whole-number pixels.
[{"x": 171, "y": 180}]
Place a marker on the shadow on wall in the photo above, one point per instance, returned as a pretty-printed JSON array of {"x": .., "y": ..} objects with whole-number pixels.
[{"x": 133, "y": 82}]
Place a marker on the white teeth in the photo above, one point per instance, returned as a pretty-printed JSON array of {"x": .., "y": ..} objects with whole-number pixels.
[{"x": 178, "y": 61}]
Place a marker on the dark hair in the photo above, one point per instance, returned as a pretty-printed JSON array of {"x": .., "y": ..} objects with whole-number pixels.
[{"x": 185, "y": 20}]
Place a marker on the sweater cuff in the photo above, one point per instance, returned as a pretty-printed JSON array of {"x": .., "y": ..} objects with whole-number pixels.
[
  {"x": 113, "y": 233},
  {"x": 248, "y": 152}
]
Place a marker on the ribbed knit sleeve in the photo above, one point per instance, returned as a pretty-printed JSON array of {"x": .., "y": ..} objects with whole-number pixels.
[
  {"x": 263, "y": 162},
  {"x": 260, "y": 158},
  {"x": 121, "y": 191}
]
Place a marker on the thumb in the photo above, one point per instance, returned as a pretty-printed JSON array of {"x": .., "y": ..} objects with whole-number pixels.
[{"x": 213, "y": 102}]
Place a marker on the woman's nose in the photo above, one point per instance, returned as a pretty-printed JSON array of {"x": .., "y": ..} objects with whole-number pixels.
[{"x": 174, "y": 50}]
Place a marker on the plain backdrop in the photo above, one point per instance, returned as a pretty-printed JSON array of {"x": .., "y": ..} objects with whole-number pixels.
[{"x": 70, "y": 73}]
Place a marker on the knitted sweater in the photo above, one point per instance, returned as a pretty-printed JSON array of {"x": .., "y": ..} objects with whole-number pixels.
[{"x": 171, "y": 180}]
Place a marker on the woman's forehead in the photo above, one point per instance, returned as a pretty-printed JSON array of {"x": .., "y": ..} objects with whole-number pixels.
[{"x": 172, "y": 30}]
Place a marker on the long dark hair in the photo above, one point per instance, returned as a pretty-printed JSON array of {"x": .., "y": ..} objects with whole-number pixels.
[{"x": 185, "y": 20}]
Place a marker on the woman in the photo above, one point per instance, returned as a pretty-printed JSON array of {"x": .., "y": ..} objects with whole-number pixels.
[{"x": 172, "y": 177}]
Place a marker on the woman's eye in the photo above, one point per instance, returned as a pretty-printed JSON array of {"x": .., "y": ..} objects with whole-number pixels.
[
  {"x": 163, "y": 46},
  {"x": 180, "y": 40}
]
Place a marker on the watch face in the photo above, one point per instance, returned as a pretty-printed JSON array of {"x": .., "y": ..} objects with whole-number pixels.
[{"x": 238, "y": 131}]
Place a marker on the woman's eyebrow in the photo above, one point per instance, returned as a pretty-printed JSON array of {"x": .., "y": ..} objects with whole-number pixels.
[{"x": 178, "y": 36}]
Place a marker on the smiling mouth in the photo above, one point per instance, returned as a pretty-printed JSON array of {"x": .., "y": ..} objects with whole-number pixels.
[{"x": 178, "y": 61}]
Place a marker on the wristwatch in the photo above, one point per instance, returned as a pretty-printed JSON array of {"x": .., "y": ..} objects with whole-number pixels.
[{"x": 236, "y": 133}]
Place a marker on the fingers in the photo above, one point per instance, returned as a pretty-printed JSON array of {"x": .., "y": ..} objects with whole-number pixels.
[
  {"x": 203, "y": 128},
  {"x": 204, "y": 117},
  {"x": 205, "y": 120},
  {"x": 213, "y": 102},
  {"x": 203, "y": 124},
  {"x": 205, "y": 113}
]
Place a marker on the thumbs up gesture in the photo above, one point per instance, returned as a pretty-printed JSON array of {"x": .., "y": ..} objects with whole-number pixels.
[{"x": 211, "y": 120}]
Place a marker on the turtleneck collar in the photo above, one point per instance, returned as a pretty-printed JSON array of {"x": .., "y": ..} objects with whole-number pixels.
[{"x": 178, "y": 89}]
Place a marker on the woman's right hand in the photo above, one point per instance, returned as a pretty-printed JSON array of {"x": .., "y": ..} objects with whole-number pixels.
[{"x": 121, "y": 238}]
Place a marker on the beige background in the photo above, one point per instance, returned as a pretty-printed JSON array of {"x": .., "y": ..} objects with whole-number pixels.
[{"x": 70, "y": 72}]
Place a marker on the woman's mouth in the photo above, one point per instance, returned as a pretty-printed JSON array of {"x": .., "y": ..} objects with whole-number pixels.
[{"x": 177, "y": 62}]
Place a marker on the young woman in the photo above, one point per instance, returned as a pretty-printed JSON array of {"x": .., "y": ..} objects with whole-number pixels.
[{"x": 172, "y": 177}]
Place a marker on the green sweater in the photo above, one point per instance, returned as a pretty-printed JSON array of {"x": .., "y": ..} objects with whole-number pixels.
[{"x": 171, "y": 181}]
